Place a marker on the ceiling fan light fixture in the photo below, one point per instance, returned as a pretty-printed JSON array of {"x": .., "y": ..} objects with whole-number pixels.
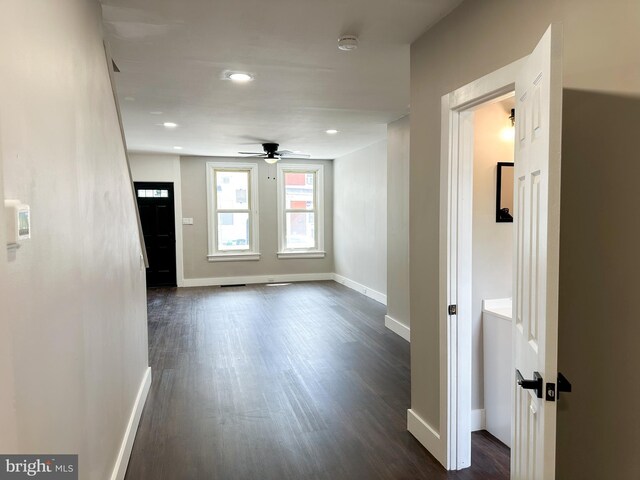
[
  {"x": 348, "y": 43},
  {"x": 272, "y": 153}
]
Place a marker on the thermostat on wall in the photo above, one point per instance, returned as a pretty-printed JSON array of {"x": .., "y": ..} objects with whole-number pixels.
[{"x": 18, "y": 222}]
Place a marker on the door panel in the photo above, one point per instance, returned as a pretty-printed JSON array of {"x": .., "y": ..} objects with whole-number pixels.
[
  {"x": 537, "y": 223},
  {"x": 157, "y": 215}
]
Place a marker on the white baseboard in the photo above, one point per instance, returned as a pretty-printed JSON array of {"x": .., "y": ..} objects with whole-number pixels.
[
  {"x": 427, "y": 436},
  {"x": 120, "y": 467},
  {"x": 397, "y": 327},
  {"x": 253, "y": 279},
  {"x": 358, "y": 287},
  {"x": 478, "y": 420},
  {"x": 295, "y": 277}
]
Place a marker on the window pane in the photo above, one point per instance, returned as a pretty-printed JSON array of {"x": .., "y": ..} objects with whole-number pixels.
[
  {"x": 299, "y": 190},
  {"x": 232, "y": 190},
  {"x": 233, "y": 231},
  {"x": 300, "y": 231},
  {"x": 142, "y": 193}
]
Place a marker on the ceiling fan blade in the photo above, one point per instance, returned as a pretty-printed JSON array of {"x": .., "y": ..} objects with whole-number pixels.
[
  {"x": 250, "y": 153},
  {"x": 293, "y": 155},
  {"x": 253, "y": 140}
]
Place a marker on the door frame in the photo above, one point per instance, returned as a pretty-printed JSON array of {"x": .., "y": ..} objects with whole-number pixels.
[
  {"x": 455, "y": 282},
  {"x": 178, "y": 242},
  {"x": 168, "y": 171}
]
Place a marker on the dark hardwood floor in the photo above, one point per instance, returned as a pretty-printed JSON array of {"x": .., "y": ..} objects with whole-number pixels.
[{"x": 301, "y": 381}]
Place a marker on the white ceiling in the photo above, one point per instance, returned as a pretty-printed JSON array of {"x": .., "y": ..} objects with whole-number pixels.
[{"x": 173, "y": 54}]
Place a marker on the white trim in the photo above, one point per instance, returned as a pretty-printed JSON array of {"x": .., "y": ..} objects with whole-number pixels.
[
  {"x": 122, "y": 461},
  {"x": 426, "y": 435},
  {"x": 256, "y": 279},
  {"x": 397, "y": 327},
  {"x": 305, "y": 254},
  {"x": 233, "y": 257},
  {"x": 478, "y": 420},
  {"x": 358, "y": 287},
  {"x": 177, "y": 201},
  {"x": 295, "y": 277},
  {"x": 254, "y": 211},
  {"x": 318, "y": 170},
  {"x": 456, "y": 193}
]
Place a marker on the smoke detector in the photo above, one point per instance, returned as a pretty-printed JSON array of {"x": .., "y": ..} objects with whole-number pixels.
[{"x": 348, "y": 43}]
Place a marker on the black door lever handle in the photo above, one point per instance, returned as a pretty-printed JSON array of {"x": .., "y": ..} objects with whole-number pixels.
[
  {"x": 564, "y": 385},
  {"x": 535, "y": 384}
]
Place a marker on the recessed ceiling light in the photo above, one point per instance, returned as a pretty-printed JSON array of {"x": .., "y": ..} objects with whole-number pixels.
[
  {"x": 240, "y": 77},
  {"x": 170, "y": 125},
  {"x": 176, "y": 147},
  {"x": 332, "y": 131}
]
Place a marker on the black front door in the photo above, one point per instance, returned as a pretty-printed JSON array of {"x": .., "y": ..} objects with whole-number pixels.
[{"x": 155, "y": 202}]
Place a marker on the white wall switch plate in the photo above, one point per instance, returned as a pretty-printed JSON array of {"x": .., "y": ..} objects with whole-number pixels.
[{"x": 187, "y": 221}]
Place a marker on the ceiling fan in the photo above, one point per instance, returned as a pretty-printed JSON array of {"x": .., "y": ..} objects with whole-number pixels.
[{"x": 272, "y": 154}]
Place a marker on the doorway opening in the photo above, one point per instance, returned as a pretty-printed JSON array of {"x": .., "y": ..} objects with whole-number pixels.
[
  {"x": 492, "y": 177},
  {"x": 157, "y": 216},
  {"x": 462, "y": 396}
]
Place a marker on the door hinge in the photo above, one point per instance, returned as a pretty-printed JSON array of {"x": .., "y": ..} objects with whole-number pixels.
[{"x": 453, "y": 309}]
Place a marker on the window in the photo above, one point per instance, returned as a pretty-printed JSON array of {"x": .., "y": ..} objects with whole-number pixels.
[
  {"x": 232, "y": 196},
  {"x": 300, "y": 211},
  {"x": 153, "y": 193}
]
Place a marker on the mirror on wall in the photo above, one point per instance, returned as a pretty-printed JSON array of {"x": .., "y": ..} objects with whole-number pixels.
[{"x": 504, "y": 196}]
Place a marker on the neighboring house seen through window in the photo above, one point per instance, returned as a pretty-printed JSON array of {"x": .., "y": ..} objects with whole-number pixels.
[{"x": 300, "y": 211}]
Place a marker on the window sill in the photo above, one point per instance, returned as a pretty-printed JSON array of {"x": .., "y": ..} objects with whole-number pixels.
[
  {"x": 233, "y": 257},
  {"x": 293, "y": 254}
]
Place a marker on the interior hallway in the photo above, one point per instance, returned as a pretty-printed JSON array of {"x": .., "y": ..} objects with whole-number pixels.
[{"x": 299, "y": 381}]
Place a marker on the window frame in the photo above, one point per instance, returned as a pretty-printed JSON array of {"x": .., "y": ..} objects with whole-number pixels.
[
  {"x": 253, "y": 252},
  {"x": 318, "y": 202}
]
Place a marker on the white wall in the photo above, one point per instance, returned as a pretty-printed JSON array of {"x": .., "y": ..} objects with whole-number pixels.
[
  {"x": 598, "y": 326},
  {"x": 8, "y": 427},
  {"x": 492, "y": 242},
  {"x": 398, "y": 221},
  {"x": 73, "y": 297},
  {"x": 163, "y": 168},
  {"x": 360, "y": 218}
]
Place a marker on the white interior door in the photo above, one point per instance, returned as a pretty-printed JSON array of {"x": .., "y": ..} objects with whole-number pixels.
[{"x": 537, "y": 242}]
